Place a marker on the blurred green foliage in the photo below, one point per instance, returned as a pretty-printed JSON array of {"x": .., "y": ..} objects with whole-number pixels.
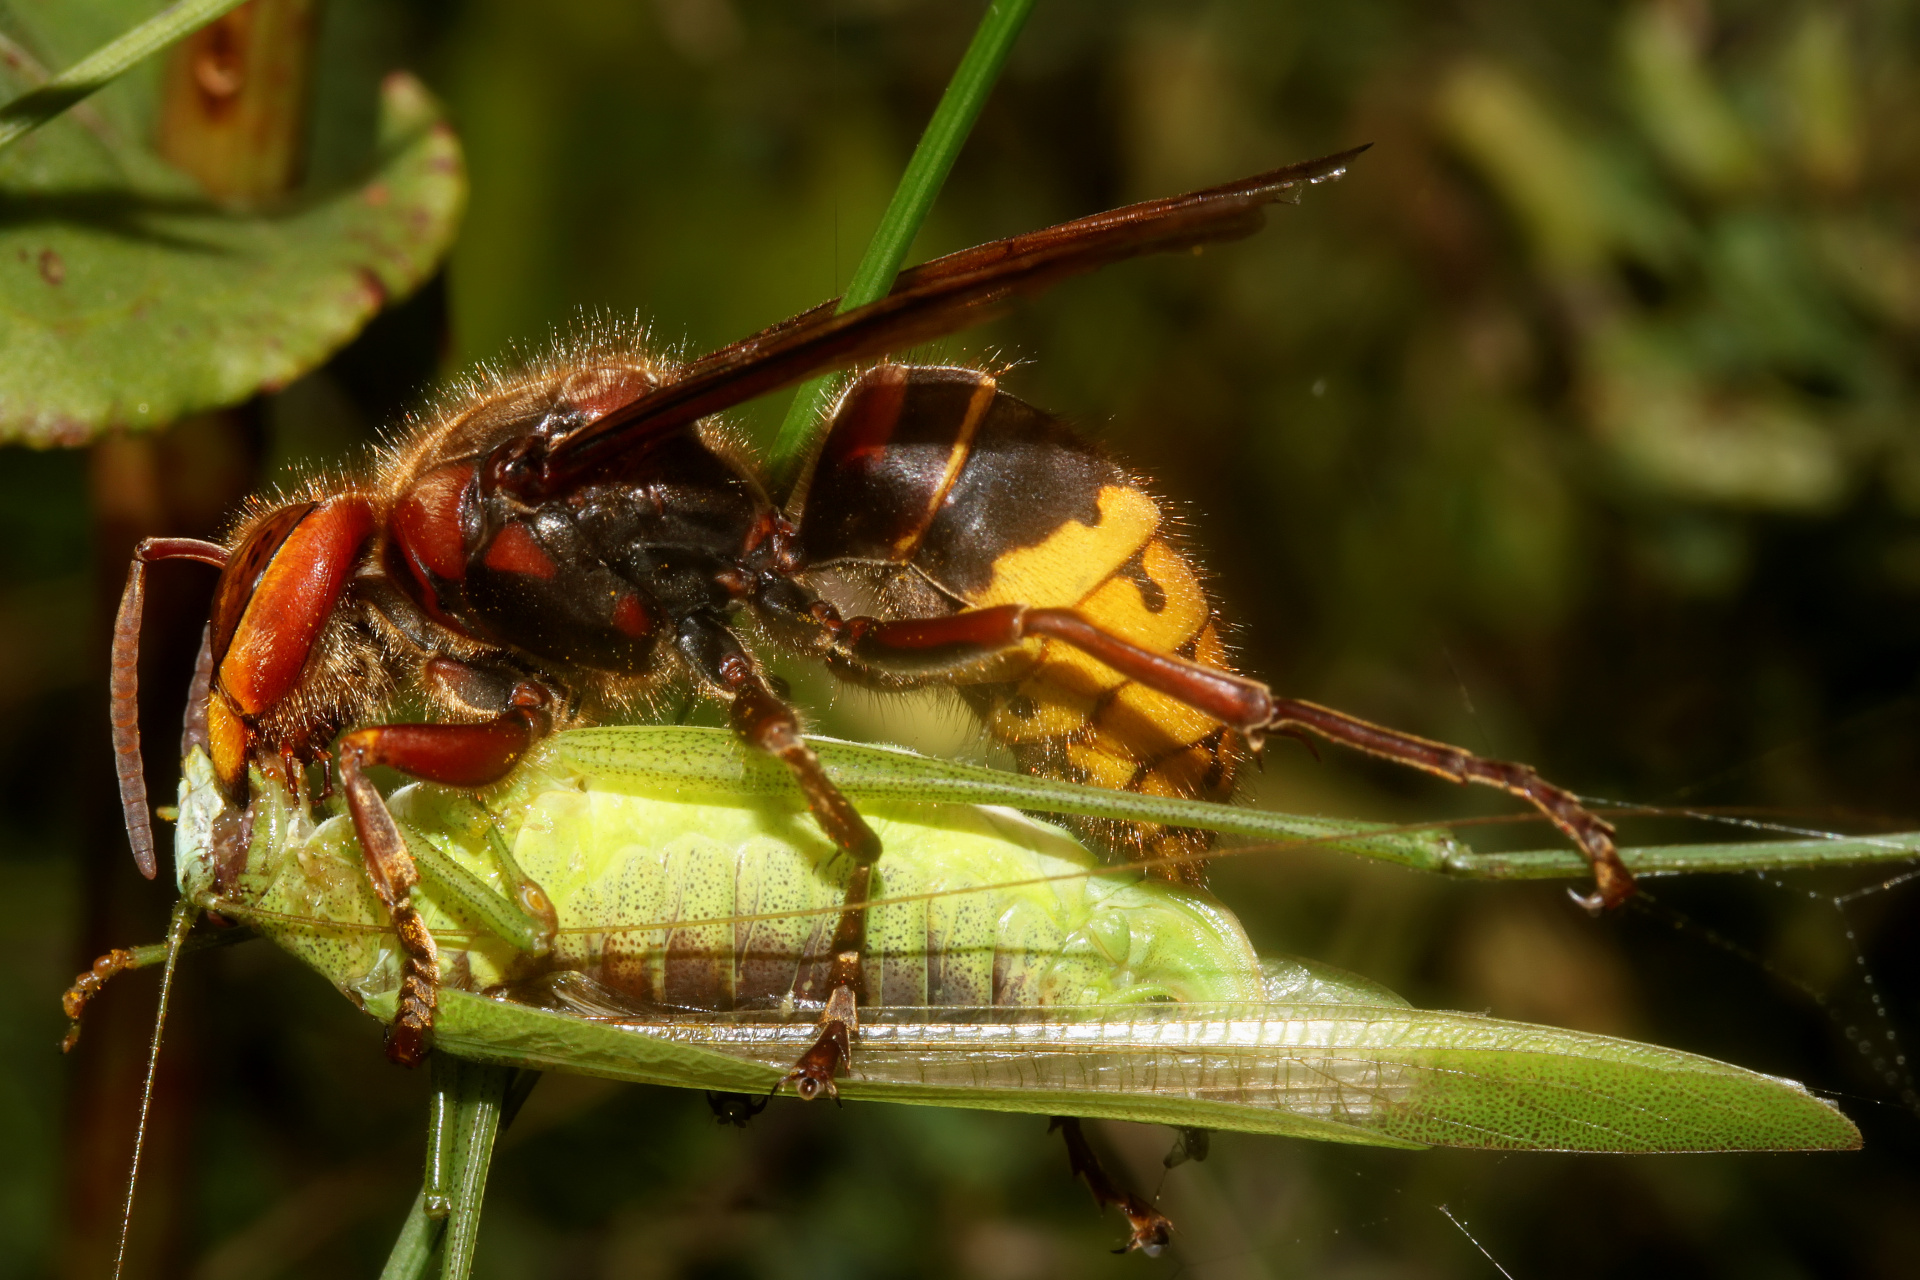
[
  {"x": 135, "y": 299},
  {"x": 1575, "y": 425}
]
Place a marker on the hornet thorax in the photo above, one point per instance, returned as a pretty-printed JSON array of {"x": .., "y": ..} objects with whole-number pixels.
[{"x": 596, "y": 578}]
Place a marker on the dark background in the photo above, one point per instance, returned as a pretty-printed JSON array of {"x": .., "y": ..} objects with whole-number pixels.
[{"x": 1576, "y": 425}]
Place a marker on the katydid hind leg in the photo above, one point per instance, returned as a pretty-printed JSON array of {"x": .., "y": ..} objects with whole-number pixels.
[{"x": 460, "y": 755}]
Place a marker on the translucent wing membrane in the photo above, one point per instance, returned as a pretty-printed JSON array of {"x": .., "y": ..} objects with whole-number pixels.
[
  {"x": 928, "y": 302},
  {"x": 1379, "y": 1075}
]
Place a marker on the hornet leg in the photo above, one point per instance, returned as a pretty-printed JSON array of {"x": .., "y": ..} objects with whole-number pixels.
[
  {"x": 766, "y": 723},
  {"x": 921, "y": 645},
  {"x": 456, "y": 755}
]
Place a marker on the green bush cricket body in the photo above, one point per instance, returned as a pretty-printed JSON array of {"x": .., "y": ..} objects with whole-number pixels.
[{"x": 1071, "y": 987}]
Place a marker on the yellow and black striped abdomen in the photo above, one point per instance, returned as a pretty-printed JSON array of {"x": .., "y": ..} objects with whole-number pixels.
[
  {"x": 1070, "y": 716},
  {"x": 937, "y": 472}
]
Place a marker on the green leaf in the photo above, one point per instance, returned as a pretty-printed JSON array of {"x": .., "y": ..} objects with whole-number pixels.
[
  {"x": 132, "y": 301},
  {"x": 103, "y": 66}
]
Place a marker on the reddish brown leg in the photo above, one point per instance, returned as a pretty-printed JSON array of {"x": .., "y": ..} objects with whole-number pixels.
[
  {"x": 124, "y": 685},
  {"x": 1149, "y": 1229},
  {"x": 455, "y": 755},
  {"x": 931, "y": 644},
  {"x": 768, "y": 724}
]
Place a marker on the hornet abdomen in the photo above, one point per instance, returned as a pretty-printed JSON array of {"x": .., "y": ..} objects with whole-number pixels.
[{"x": 955, "y": 485}]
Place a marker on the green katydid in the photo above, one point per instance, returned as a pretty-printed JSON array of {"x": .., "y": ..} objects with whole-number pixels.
[{"x": 1009, "y": 968}]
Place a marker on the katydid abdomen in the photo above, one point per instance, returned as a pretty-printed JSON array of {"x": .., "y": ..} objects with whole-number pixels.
[{"x": 721, "y": 905}]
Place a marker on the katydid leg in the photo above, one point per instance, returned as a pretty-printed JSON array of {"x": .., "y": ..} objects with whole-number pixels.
[
  {"x": 1148, "y": 1228},
  {"x": 88, "y": 985},
  {"x": 918, "y": 646},
  {"x": 459, "y": 755}
]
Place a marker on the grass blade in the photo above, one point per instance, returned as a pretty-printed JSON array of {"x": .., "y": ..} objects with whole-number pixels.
[
  {"x": 926, "y": 172},
  {"x": 104, "y": 65}
]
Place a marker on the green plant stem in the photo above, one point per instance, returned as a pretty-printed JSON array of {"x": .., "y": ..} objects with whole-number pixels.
[
  {"x": 104, "y": 65},
  {"x": 926, "y": 172},
  {"x": 413, "y": 1251},
  {"x": 469, "y": 1101}
]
